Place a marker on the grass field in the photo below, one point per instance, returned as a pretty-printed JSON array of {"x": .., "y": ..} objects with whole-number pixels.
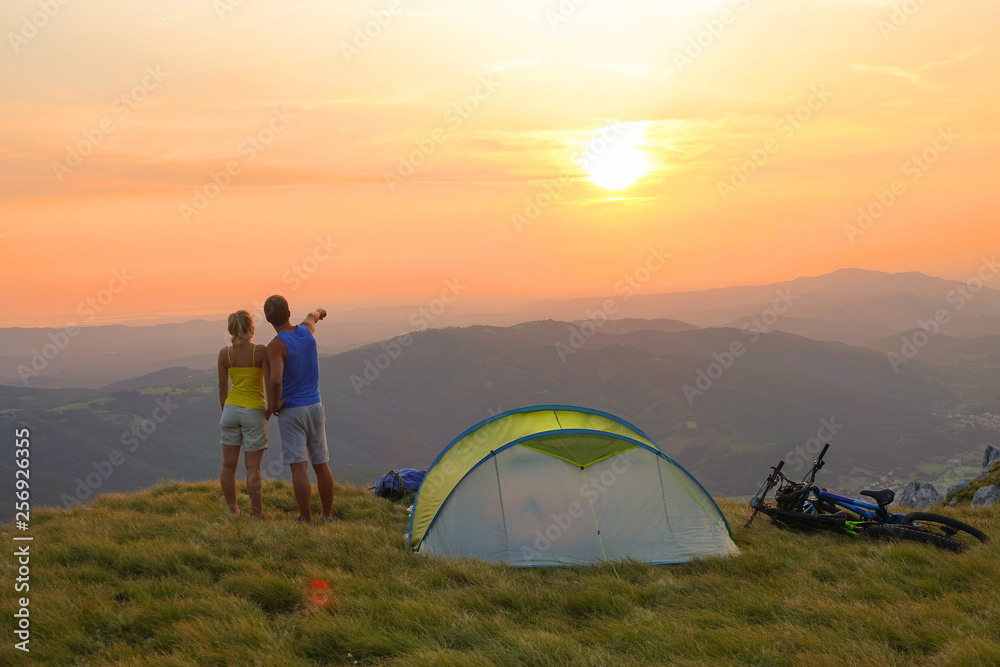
[{"x": 163, "y": 577}]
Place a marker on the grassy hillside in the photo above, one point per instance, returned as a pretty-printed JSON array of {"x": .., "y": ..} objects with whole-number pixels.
[
  {"x": 966, "y": 495},
  {"x": 162, "y": 577}
]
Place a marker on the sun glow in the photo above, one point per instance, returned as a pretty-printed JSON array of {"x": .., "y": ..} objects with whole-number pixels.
[{"x": 611, "y": 157}]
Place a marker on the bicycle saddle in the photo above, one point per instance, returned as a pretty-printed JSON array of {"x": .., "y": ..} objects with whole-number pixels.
[{"x": 882, "y": 498}]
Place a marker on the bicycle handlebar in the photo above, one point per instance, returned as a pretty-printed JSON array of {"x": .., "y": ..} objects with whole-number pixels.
[{"x": 758, "y": 501}]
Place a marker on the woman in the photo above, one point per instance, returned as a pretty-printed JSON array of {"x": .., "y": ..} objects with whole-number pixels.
[{"x": 244, "y": 415}]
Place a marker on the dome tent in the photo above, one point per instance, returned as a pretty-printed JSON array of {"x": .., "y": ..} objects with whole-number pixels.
[{"x": 558, "y": 485}]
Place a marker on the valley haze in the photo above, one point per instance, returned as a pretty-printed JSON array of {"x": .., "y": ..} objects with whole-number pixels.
[{"x": 900, "y": 372}]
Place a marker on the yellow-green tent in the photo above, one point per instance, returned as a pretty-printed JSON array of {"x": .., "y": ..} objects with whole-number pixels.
[{"x": 560, "y": 485}]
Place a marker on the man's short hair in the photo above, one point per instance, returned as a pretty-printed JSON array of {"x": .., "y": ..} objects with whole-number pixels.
[{"x": 276, "y": 310}]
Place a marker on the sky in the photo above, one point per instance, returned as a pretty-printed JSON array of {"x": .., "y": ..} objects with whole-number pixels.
[{"x": 180, "y": 157}]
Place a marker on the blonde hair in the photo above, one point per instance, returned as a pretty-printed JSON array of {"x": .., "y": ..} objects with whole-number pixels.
[{"x": 240, "y": 326}]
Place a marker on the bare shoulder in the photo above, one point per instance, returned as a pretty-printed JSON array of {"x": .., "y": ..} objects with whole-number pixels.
[
  {"x": 223, "y": 357},
  {"x": 277, "y": 346}
]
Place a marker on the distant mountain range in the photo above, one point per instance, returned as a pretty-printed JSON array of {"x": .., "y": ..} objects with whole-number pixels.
[
  {"x": 726, "y": 402},
  {"x": 852, "y": 306}
]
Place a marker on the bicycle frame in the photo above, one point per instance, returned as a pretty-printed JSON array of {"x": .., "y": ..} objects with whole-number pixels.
[
  {"x": 863, "y": 509},
  {"x": 805, "y": 506}
]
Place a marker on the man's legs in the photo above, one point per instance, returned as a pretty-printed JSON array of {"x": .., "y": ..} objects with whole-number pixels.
[
  {"x": 302, "y": 489},
  {"x": 293, "y": 448},
  {"x": 324, "y": 484},
  {"x": 319, "y": 455},
  {"x": 252, "y": 462},
  {"x": 303, "y": 435},
  {"x": 227, "y": 477}
]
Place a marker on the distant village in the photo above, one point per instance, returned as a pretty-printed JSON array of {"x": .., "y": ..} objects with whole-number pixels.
[
  {"x": 985, "y": 420},
  {"x": 897, "y": 478}
]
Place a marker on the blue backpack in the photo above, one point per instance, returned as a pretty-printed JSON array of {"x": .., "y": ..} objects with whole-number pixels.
[{"x": 396, "y": 484}]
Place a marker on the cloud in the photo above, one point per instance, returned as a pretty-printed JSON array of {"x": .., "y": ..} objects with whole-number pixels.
[
  {"x": 890, "y": 70},
  {"x": 631, "y": 69}
]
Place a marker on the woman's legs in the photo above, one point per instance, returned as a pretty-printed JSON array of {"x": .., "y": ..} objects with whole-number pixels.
[
  {"x": 227, "y": 478},
  {"x": 252, "y": 462}
]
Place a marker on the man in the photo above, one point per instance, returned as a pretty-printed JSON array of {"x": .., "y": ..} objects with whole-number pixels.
[{"x": 293, "y": 395}]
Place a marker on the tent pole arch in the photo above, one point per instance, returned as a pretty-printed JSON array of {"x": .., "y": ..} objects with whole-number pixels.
[
  {"x": 555, "y": 408},
  {"x": 493, "y": 453}
]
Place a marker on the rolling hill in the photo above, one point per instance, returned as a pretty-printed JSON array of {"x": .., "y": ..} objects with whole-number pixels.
[{"x": 392, "y": 405}]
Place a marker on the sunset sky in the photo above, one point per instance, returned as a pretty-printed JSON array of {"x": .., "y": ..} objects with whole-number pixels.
[{"x": 116, "y": 115}]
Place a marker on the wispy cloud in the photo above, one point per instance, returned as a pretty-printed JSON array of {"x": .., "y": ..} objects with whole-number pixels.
[{"x": 889, "y": 70}]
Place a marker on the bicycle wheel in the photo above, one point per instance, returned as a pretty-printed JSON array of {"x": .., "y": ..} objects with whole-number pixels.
[
  {"x": 807, "y": 522},
  {"x": 942, "y": 525},
  {"x": 894, "y": 532}
]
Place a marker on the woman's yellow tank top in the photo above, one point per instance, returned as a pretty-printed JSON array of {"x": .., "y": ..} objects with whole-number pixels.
[{"x": 248, "y": 384}]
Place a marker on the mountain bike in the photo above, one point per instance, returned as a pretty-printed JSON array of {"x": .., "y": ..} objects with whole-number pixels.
[{"x": 804, "y": 506}]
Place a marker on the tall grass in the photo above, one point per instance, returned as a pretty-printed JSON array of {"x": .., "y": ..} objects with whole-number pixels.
[{"x": 163, "y": 577}]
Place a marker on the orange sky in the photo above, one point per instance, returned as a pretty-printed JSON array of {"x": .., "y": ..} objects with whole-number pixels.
[{"x": 333, "y": 115}]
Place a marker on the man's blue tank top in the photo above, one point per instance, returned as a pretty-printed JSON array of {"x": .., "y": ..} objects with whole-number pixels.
[{"x": 300, "y": 381}]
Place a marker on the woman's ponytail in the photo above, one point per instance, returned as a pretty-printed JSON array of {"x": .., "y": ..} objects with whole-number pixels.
[{"x": 240, "y": 326}]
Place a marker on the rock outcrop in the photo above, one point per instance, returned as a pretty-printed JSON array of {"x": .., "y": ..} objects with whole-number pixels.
[
  {"x": 990, "y": 456},
  {"x": 986, "y": 496},
  {"x": 957, "y": 487},
  {"x": 920, "y": 495}
]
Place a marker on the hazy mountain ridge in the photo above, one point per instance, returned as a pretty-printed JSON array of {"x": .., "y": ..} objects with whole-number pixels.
[
  {"x": 979, "y": 352},
  {"x": 390, "y": 407},
  {"x": 852, "y": 306},
  {"x": 832, "y": 294}
]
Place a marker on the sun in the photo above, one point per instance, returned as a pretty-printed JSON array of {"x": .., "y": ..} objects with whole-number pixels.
[{"x": 611, "y": 157}]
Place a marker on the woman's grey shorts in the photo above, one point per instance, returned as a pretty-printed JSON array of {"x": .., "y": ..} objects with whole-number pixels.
[{"x": 246, "y": 427}]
